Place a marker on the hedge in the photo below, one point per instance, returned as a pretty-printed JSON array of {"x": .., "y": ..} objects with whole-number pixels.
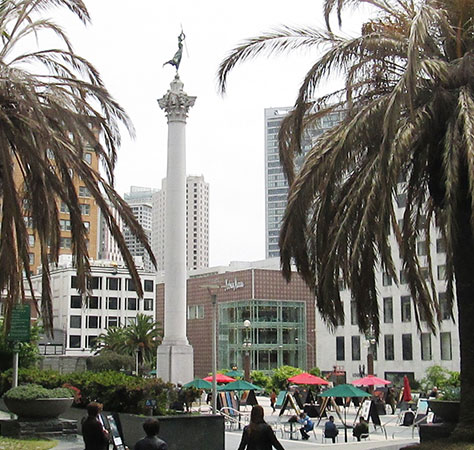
[{"x": 117, "y": 391}]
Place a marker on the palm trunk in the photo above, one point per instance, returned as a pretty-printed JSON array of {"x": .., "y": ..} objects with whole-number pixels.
[{"x": 464, "y": 272}]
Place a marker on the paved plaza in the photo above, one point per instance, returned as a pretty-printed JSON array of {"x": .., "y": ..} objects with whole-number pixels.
[{"x": 396, "y": 436}]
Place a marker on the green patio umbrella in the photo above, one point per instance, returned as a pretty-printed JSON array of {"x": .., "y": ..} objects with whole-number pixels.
[
  {"x": 241, "y": 385},
  {"x": 235, "y": 373},
  {"x": 198, "y": 384},
  {"x": 345, "y": 390}
]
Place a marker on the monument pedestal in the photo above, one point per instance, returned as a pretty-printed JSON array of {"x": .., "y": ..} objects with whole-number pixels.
[{"x": 175, "y": 363}]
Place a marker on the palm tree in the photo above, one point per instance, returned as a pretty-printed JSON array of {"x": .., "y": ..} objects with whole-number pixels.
[
  {"x": 53, "y": 105},
  {"x": 113, "y": 341},
  {"x": 143, "y": 336},
  {"x": 408, "y": 98}
]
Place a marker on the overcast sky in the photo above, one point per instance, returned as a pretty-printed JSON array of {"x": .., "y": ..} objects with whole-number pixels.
[{"x": 129, "y": 42}]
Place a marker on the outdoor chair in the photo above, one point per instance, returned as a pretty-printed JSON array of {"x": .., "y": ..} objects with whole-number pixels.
[{"x": 324, "y": 438}]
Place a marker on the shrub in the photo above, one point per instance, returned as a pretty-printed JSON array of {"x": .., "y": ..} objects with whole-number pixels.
[
  {"x": 260, "y": 379},
  {"x": 440, "y": 377},
  {"x": 110, "y": 361},
  {"x": 281, "y": 375},
  {"x": 35, "y": 391}
]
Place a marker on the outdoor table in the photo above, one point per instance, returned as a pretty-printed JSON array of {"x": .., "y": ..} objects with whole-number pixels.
[{"x": 292, "y": 431}]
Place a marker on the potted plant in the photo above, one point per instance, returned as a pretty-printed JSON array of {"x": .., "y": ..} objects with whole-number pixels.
[
  {"x": 446, "y": 407},
  {"x": 35, "y": 401}
]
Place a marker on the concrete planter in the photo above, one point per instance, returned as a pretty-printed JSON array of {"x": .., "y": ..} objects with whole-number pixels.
[
  {"x": 41, "y": 408},
  {"x": 183, "y": 432},
  {"x": 446, "y": 410}
]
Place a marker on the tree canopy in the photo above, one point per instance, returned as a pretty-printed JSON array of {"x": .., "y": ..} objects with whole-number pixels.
[
  {"x": 408, "y": 127},
  {"x": 53, "y": 107}
]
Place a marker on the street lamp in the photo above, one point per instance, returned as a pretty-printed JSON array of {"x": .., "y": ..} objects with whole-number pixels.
[
  {"x": 247, "y": 344},
  {"x": 213, "y": 296}
]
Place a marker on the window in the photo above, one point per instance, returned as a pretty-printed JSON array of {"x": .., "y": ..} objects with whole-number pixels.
[
  {"x": 94, "y": 283},
  {"x": 407, "y": 347},
  {"x": 91, "y": 341},
  {"x": 85, "y": 209},
  {"x": 353, "y": 313},
  {"x": 31, "y": 240},
  {"x": 386, "y": 279},
  {"x": 75, "y": 322},
  {"x": 31, "y": 258},
  {"x": 443, "y": 306},
  {"x": 88, "y": 158},
  {"x": 93, "y": 322},
  {"x": 403, "y": 277},
  {"x": 87, "y": 226},
  {"x": 148, "y": 285},
  {"x": 113, "y": 321},
  {"x": 388, "y": 310},
  {"x": 401, "y": 200},
  {"x": 132, "y": 304},
  {"x": 74, "y": 341},
  {"x": 112, "y": 303},
  {"x": 93, "y": 302},
  {"x": 65, "y": 225},
  {"x": 406, "y": 308},
  {"x": 442, "y": 272},
  {"x": 355, "y": 341},
  {"x": 425, "y": 341},
  {"x": 388, "y": 347},
  {"x": 445, "y": 344},
  {"x": 65, "y": 242},
  {"x": 440, "y": 245},
  {"x": 340, "y": 353},
  {"x": 147, "y": 304},
  {"x": 76, "y": 301},
  {"x": 84, "y": 192},
  {"x": 64, "y": 209},
  {"x": 113, "y": 284},
  {"x": 195, "y": 312},
  {"x": 421, "y": 248},
  {"x": 130, "y": 285}
]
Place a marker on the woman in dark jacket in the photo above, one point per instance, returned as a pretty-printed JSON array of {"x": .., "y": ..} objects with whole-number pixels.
[{"x": 258, "y": 435}]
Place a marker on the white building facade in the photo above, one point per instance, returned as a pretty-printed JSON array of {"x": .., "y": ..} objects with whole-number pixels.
[
  {"x": 197, "y": 224},
  {"x": 276, "y": 186},
  {"x": 402, "y": 348},
  {"x": 113, "y": 302}
]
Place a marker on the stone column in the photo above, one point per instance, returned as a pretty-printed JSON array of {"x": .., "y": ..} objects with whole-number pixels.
[{"x": 175, "y": 355}]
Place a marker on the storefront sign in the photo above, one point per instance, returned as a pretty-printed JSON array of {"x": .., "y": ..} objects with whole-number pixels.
[{"x": 230, "y": 285}]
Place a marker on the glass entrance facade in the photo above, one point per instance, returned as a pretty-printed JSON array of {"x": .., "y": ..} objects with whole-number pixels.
[{"x": 276, "y": 334}]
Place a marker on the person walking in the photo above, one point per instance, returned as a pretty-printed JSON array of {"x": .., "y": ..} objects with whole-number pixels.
[
  {"x": 95, "y": 436},
  {"x": 330, "y": 430},
  {"x": 151, "y": 441},
  {"x": 273, "y": 399},
  {"x": 258, "y": 435}
]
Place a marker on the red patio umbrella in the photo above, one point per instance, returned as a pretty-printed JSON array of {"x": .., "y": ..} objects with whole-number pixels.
[
  {"x": 406, "y": 390},
  {"x": 307, "y": 378},
  {"x": 370, "y": 380},
  {"x": 220, "y": 378}
]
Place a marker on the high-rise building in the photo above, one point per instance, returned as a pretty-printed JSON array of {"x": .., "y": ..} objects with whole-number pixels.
[
  {"x": 108, "y": 248},
  {"x": 197, "y": 224},
  {"x": 140, "y": 200},
  {"x": 90, "y": 216},
  {"x": 276, "y": 185}
]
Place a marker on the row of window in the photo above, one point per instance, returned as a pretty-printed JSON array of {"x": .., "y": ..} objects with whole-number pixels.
[
  {"x": 113, "y": 284},
  {"x": 113, "y": 303},
  {"x": 95, "y": 322},
  {"x": 389, "y": 347}
]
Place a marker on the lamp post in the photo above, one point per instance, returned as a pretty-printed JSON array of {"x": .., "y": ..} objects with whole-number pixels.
[
  {"x": 213, "y": 296},
  {"x": 247, "y": 344},
  {"x": 370, "y": 342}
]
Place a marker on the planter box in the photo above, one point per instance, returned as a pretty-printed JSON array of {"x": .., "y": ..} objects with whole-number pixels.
[
  {"x": 184, "y": 432},
  {"x": 41, "y": 408},
  {"x": 447, "y": 411}
]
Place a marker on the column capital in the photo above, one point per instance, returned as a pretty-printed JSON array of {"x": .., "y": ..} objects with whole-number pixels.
[{"x": 176, "y": 102}]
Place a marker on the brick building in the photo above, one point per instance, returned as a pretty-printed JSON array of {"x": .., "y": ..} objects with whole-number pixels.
[{"x": 281, "y": 315}]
